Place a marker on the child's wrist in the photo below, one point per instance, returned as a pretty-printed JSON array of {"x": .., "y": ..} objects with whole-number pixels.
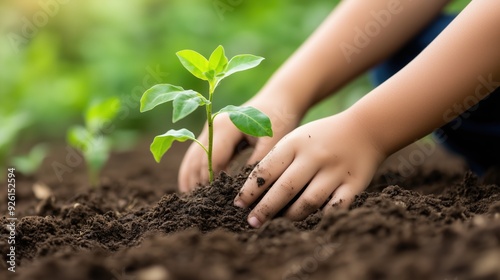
[
  {"x": 282, "y": 101},
  {"x": 371, "y": 134}
]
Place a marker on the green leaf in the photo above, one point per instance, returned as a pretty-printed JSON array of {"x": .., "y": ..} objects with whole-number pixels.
[
  {"x": 194, "y": 62},
  {"x": 29, "y": 164},
  {"x": 210, "y": 74},
  {"x": 162, "y": 143},
  {"x": 185, "y": 103},
  {"x": 97, "y": 153},
  {"x": 79, "y": 138},
  {"x": 11, "y": 127},
  {"x": 100, "y": 113},
  {"x": 217, "y": 60},
  {"x": 160, "y": 94},
  {"x": 249, "y": 120},
  {"x": 242, "y": 62}
]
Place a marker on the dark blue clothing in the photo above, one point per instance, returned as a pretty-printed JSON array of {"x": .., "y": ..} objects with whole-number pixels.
[{"x": 475, "y": 134}]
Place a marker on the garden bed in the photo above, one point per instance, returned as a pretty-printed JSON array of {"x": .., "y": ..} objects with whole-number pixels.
[{"x": 435, "y": 224}]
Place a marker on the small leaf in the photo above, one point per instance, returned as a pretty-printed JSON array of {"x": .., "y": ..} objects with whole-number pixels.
[
  {"x": 194, "y": 62},
  {"x": 160, "y": 94},
  {"x": 162, "y": 143},
  {"x": 101, "y": 113},
  {"x": 184, "y": 104},
  {"x": 210, "y": 74},
  {"x": 11, "y": 126},
  {"x": 29, "y": 164},
  {"x": 249, "y": 120},
  {"x": 217, "y": 60},
  {"x": 79, "y": 138},
  {"x": 242, "y": 62}
]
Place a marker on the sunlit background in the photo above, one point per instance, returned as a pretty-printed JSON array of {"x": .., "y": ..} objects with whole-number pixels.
[{"x": 57, "y": 56}]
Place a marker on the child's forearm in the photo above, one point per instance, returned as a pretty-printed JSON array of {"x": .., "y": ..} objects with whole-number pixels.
[
  {"x": 457, "y": 70},
  {"x": 355, "y": 36}
]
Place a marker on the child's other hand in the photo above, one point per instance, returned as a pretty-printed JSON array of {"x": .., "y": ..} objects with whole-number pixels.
[
  {"x": 331, "y": 160},
  {"x": 194, "y": 167}
]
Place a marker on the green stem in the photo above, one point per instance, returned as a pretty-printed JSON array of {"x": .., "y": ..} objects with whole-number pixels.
[
  {"x": 210, "y": 134},
  {"x": 93, "y": 177},
  {"x": 201, "y": 145}
]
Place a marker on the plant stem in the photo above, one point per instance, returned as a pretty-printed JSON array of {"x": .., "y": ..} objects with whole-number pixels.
[
  {"x": 210, "y": 134},
  {"x": 93, "y": 177}
]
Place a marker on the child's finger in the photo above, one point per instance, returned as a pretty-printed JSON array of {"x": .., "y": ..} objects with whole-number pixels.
[
  {"x": 263, "y": 175},
  {"x": 262, "y": 148},
  {"x": 343, "y": 196},
  {"x": 189, "y": 172},
  {"x": 316, "y": 194},
  {"x": 225, "y": 141},
  {"x": 289, "y": 184}
]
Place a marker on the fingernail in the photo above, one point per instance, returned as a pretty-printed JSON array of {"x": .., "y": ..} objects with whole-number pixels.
[
  {"x": 254, "y": 222},
  {"x": 239, "y": 203}
]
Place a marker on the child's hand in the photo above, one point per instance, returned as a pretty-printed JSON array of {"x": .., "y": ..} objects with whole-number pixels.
[
  {"x": 331, "y": 160},
  {"x": 194, "y": 167}
]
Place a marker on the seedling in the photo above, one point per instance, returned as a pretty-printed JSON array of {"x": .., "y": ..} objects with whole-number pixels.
[
  {"x": 90, "y": 140},
  {"x": 213, "y": 70},
  {"x": 11, "y": 128},
  {"x": 28, "y": 164}
]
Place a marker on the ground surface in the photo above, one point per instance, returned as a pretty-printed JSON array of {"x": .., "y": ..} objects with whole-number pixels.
[{"x": 437, "y": 223}]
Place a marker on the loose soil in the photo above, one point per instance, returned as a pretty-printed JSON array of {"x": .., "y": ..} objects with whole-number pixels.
[{"x": 431, "y": 224}]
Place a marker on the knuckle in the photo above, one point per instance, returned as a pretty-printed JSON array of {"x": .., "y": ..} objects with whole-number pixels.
[
  {"x": 263, "y": 212},
  {"x": 286, "y": 187},
  {"x": 309, "y": 203},
  {"x": 247, "y": 196}
]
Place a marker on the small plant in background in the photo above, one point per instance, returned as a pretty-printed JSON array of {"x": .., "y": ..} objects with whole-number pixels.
[
  {"x": 28, "y": 164},
  {"x": 11, "y": 126},
  {"x": 247, "y": 119},
  {"x": 90, "y": 140}
]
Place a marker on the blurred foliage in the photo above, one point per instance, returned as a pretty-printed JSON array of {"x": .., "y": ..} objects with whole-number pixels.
[
  {"x": 57, "y": 55},
  {"x": 92, "y": 140},
  {"x": 28, "y": 164}
]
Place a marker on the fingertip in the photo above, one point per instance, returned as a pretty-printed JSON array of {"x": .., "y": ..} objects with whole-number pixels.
[
  {"x": 239, "y": 203},
  {"x": 342, "y": 197},
  {"x": 254, "y": 222}
]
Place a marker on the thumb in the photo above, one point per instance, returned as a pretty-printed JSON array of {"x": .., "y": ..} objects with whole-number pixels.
[
  {"x": 262, "y": 148},
  {"x": 224, "y": 146}
]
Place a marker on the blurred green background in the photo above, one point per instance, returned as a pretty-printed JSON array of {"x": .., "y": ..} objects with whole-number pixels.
[{"x": 58, "y": 55}]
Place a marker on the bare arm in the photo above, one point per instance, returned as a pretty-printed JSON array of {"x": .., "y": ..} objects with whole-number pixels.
[
  {"x": 448, "y": 75},
  {"x": 355, "y": 36},
  {"x": 333, "y": 159},
  {"x": 332, "y": 56}
]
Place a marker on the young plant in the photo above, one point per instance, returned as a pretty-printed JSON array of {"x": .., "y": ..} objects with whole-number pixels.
[
  {"x": 28, "y": 164},
  {"x": 213, "y": 70},
  {"x": 12, "y": 125},
  {"x": 90, "y": 140}
]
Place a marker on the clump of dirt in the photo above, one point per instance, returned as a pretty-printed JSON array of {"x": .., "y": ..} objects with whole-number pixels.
[{"x": 136, "y": 227}]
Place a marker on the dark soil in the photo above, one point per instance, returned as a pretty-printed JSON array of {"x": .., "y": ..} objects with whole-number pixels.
[{"x": 434, "y": 224}]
